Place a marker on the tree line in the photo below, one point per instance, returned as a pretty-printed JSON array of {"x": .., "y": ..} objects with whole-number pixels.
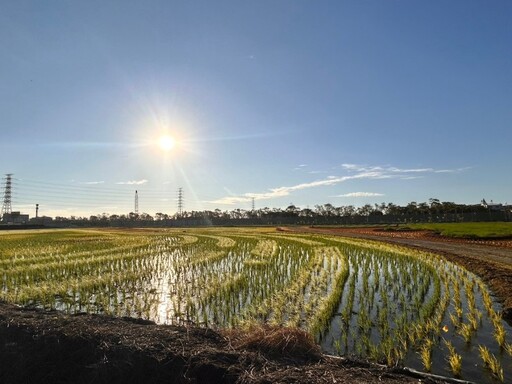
[{"x": 431, "y": 211}]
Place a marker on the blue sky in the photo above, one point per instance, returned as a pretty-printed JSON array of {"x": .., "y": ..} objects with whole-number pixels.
[{"x": 303, "y": 102}]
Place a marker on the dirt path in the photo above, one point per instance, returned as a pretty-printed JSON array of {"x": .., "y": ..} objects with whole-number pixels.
[{"x": 491, "y": 260}]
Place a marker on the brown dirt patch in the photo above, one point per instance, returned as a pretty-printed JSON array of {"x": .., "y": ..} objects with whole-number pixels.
[{"x": 51, "y": 347}]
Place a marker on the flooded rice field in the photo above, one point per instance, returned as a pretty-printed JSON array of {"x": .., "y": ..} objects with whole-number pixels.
[{"x": 384, "y": 303}]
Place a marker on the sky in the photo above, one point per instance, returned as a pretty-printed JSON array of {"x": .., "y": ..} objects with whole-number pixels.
[{"x": 347, "y": 102}]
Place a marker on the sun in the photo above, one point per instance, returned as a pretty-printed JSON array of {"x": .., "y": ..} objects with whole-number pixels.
[{"x": 166, "y": 143}]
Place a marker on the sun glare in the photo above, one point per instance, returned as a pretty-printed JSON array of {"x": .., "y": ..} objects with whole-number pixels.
[{"x": 166, "y": 143}]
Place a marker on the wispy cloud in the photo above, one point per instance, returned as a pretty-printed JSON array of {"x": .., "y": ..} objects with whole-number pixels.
[
  {"x": 384, "y": 169},
  {"x": 360, "y": 194},
  {"x": 355, "y": 172},
  {"x": 285, "y": 191},
  {"x": 452, "y": 170},
  {"x": 92, "y": 182},
  {"x": 133, "y": 182}
]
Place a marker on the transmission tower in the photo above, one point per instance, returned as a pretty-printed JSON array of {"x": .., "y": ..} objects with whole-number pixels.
[
  {"x": 136, "y": 203},
  {"x": 7, "y": 207},
  {"x": 253, "y": 203},
  {"x": 180, "y": 201}
]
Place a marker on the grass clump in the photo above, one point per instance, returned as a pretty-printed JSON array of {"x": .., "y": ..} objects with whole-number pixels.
[{"x": 274, "y": 341}]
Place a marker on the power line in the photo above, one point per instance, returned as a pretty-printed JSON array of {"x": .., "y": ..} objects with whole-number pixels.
[{"x": 79, "y": 199}]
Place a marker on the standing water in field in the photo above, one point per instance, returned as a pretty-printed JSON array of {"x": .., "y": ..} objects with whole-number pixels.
[
  {"x": 420, "y": 311},
  {"x": 375, "y": 301}
]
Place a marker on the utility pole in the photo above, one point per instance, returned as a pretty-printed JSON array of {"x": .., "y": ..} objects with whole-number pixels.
[
  {"x": 180, "y": 201},
  {"x": 253, "y": 204},
  {"x": 37, "y": 211},
  {"x": 7, "y": 206},
  {"x": 136, "y": 203}
]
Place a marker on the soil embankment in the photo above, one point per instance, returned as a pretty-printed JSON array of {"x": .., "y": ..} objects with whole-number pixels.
[
  {"x": 52, "y": 347},
  {"x": 489, "y": 259}
]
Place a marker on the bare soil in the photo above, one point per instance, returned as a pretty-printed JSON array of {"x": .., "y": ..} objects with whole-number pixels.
[{"x": 52, "y": 347}]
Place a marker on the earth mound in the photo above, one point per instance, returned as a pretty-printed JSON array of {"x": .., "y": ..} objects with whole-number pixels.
[{"x": 52, "y": 347}]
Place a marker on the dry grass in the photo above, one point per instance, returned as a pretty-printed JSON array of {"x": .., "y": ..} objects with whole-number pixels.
[{"x": 274, "y": 341}]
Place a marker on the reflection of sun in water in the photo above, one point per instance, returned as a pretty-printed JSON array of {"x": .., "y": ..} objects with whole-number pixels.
[{"x": 166, "y": 142}]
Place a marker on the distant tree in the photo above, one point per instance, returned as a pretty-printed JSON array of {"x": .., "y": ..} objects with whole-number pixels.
[
  {"x": 292, "y": 210},
  {"x": 412, "y": 208},
  {"x": 320, "y": 210},
  {"x": 349, "y": 210},
  {"x": 329, "y": 210},
  {"x": 423, "y": 208},
  {"x": 145, "y": 217},
  {"x": 365, "y": 210},
  {"x": 306, "y": 212},
  {"x": 434, "y": 203}
]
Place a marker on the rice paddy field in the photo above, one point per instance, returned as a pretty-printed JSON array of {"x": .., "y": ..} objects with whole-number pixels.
[{"x": 368, "y": 299}]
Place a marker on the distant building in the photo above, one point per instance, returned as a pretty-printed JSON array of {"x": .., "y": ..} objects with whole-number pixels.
[
  {"x": 492, "y": 206},
  {"x": 42, "y": 220},
  {"x": 15, "y": 218}
]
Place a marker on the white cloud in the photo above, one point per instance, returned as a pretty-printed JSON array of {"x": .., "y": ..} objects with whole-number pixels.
[
  {"x": 133, "y": 182},
  {"x": 92, "y": 182},
  {"x": 378, "y": 168},
  {"x": 452, "y": 170},
  {"x": 352, "y": 167},
  {"x": 360, "y": 194},
  {"x": 285, "y": 191},
  {"x": 355, "y": 172}
]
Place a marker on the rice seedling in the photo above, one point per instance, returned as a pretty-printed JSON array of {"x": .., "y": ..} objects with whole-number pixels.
[
  {"x": 454, "y": 359},
  {"x": 425, "y": 353},
  {"x": 466, "y": 331},
  {"x": 491, "y": 363},
  {"x": 508, "y": 348}
]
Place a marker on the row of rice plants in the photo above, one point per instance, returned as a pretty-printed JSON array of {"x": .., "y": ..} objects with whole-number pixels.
[{"x": 437, "y": 292}]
